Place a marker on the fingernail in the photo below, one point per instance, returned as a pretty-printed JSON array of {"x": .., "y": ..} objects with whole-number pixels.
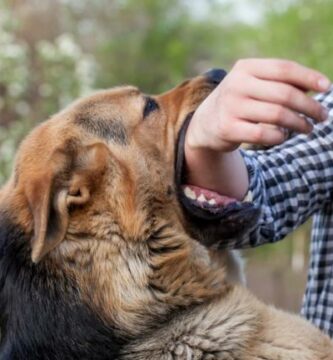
[
  {"x": 324, "y": 84},
  {"x": 324, "y": 114}
]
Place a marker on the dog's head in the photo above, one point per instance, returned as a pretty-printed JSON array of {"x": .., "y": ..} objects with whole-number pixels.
[{"x": 107, "y": 156}]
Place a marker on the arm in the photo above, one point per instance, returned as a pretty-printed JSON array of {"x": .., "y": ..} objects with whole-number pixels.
[
  {"x": 229, "y": 174},
  {"x": 254, "y": 104}
]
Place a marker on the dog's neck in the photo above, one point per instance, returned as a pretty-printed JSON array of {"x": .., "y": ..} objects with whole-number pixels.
[
  {"x": 134, "y": 284},
  {"x": 137, "y": 284}
]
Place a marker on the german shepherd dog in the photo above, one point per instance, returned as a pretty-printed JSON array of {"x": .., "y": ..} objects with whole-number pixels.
[{"x": 99, "y": 258}]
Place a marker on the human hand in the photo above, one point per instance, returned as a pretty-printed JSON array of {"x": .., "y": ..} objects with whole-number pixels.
[{"x": 255, "y": 103}]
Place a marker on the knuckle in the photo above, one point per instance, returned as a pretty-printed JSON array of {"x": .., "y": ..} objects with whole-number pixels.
[
  {"x": 226, "y": 85},
  {"x": 235, "y": 76},
  {"x": 278, "y": 113},
  {"x": 235, "y": 86},
  {"x": 227, "y": 97},
  {"x": 258, "y": 134},
  {"x": 224, "y": 130},
  {"x": 276, "y": 136},
  {"x": 285, "y": 67},
  {"x": 287, "y": 95},
  {"x": 284, "y": 122},
  {"x": 231, "y": 92}
]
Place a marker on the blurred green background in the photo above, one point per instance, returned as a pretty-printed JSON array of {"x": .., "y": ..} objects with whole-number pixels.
[{"x": 53, "y": 51}]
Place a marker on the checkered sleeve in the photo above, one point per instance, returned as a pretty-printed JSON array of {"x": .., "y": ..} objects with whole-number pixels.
[{"x": 290, "y": 182}]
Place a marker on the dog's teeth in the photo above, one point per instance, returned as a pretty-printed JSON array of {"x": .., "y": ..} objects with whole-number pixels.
[
  {"x": 189, "y": 193},
  {"x": 248, "y": 197},
  {"x": 212, "y": 202},
  {"x": 202, "y": 198}
]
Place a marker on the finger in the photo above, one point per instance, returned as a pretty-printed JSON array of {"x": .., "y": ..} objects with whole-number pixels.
[
  {"x": 273, "y": 114},
  {"x": 286, "y": 71},
  {"x": 286, "y": 95},
  {"x": 242, "y": 131}
]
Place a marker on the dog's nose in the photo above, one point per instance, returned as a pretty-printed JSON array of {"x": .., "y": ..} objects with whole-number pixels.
[{"x": 215, "y": 75}]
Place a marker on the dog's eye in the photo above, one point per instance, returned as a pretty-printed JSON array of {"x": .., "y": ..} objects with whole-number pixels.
[{"x": 151, "y": 105}]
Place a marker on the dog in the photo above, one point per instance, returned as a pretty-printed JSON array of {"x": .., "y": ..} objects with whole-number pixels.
[{"x": 99, "y": 257}]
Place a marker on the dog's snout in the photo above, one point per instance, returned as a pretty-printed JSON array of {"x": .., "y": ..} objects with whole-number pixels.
[{"x": 215, "y": 75}]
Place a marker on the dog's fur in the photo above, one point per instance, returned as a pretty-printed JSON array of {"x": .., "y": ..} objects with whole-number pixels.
[{"x": 97, "y": 259}]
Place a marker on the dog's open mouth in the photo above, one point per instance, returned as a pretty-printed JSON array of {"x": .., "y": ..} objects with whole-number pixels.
[
  {"x": 207, "y": 205},
  {"x": 206, "y": 199},
  {"x": 201, "y": 202}
]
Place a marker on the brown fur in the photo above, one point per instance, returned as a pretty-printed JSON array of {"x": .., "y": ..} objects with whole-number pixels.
[{"x": 94, "y": 187}]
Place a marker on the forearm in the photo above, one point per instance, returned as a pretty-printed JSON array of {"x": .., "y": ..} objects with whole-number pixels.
[
  {"x": 288, "y": 183},
  {"x": 225, "y": 173}
]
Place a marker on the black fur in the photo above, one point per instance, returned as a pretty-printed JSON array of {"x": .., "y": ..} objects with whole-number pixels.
[{"x": 42, "y": 316}]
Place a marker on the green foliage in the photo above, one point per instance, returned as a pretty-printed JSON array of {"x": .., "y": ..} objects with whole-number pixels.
[
  {"x": 56, "y": 50},
  {"x": 300, "y": 30},
  {"x": 9, "y": 138},
  {"x": 162, "y": 45},
  {"x": 36, "y": 80},
  {"x": 64, "y": 71}
]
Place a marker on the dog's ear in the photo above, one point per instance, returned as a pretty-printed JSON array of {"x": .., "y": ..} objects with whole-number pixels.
[{"x": 68, "y": 182}]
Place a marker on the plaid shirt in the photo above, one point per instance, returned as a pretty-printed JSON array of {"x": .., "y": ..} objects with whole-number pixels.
[{"x": 290, "y": 183}]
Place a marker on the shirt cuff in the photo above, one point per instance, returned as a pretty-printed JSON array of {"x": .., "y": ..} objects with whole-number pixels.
[{"x": 254, "y": 192}]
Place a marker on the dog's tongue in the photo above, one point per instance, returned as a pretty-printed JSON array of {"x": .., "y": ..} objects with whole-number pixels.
[{"x": 204, "y": 197}]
